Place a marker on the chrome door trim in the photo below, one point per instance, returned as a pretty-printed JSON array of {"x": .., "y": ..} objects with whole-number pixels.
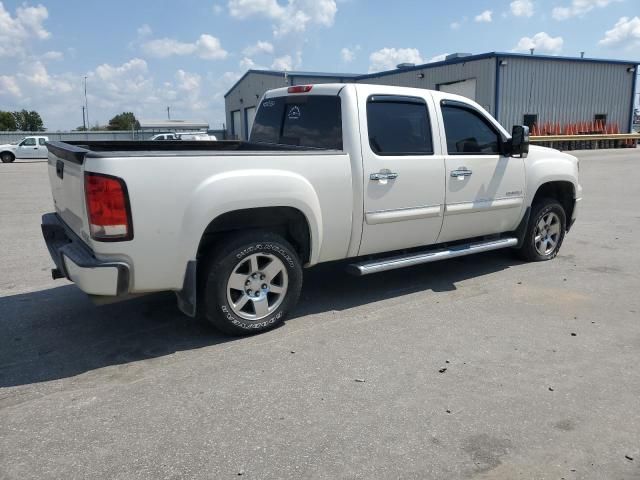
[
  {"x": 403, "y": 214},
  {"x": 483, "y": 205}
]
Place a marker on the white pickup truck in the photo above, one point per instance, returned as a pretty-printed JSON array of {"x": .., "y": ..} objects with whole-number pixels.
[
  {"x": 27, "y": 148},
  {"x": 387, "y": 177}
]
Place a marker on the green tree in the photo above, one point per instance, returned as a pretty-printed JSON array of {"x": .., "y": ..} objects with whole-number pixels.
[
  {"x": 123, "y": 121},
  {"x": 7, "y": 122},
  {"x": 28, "y": 121}
]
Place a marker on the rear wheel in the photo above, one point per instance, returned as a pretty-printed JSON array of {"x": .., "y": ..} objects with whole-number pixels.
[
  {"x": 545, "y": 232},
  {"x": 251, "y": 283},
  {"x": 7, "y": 157}
]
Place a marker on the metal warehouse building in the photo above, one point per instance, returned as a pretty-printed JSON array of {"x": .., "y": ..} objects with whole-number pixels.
[{"x": 549, "y": 93}]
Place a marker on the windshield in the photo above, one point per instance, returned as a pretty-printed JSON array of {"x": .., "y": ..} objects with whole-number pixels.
[{"x": 305, "y": 121}]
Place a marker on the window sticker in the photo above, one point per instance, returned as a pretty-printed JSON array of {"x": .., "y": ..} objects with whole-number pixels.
[
  {"x": 268, "y": 104},
  {"x": 294, "y": 113}
]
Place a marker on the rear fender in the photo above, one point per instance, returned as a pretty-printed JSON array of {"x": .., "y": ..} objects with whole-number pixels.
[{"x": 247, "y": 189}]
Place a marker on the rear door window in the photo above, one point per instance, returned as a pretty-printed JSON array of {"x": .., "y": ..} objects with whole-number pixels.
[
  {"x": 304, "y": 121},
  {"x": 399, "y": 126}
]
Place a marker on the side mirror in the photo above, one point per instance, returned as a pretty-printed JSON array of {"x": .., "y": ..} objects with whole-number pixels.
[{"x": 520, "y": 141}]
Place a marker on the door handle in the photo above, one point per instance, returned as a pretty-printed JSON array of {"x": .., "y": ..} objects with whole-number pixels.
[
  {"x": 461, "y": 172},
  {"x": 383, "y": 176}
]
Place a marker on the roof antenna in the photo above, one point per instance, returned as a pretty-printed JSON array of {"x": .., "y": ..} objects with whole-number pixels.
[{"x": 532, "y": 50}]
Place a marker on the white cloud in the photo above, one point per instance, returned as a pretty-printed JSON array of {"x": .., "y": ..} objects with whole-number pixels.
[
  {"x": 438, "y": 58},
  {"x": 348, "y": 55},
  {"x": 484, "y": 16},
  {"x": 522, "y": 8},
  {"x": 52, "y": 55},
  {"x": 454, "y": 25},
  {"x": 17, "y": 31},
  {"x": 188, "y": 81},
  {"x": 206, "y": 47},
  {"x": 388, "y": 58},
  {"x": 541, "y": 42},
  {"x": 9, "y": 84},
  {"x": 625, "y": 31},
  {"x": 283, "y": 63},
  {"x": 258, "y": 48},
  {"x": 248, "y": 64},
  {"x": 217, "y": 9},
  {"x": 144, "y": 31},
  {"x": 248, "y": 8},
  {"x": 579, "y": 8},
  {"x": 113, "y": 89},
  {"x": 34, "y": 73},
  {"x": 209, "y": 47},
  {"x": 294, "y": 17}
]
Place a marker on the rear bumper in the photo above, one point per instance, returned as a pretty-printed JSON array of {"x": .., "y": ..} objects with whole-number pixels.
[{"x": 75, "y": 260}]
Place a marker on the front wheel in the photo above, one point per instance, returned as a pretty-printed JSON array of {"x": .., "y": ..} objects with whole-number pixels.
[
  {"x": 251, "y": 284},
  {"x": 545, "y": 231},
  {"x": 7, "y": 157}
]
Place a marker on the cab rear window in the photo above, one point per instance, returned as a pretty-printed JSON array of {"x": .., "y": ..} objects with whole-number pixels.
[{"x": 304, "y": 121}]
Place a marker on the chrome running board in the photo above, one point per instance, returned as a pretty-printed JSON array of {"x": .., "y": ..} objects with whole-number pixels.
[{"x": 374, "y": 266}]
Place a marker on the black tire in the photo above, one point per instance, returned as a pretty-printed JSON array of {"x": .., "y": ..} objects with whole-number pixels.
[
  {"x": 7, "y": 157},
  {"x": 236, "y": 254},
  {"x": 530, "y": 250}
]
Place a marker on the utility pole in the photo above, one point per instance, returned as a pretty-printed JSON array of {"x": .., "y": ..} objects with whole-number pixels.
[
  {"x": 86, "y": 103},
  {"x": 84, "y": 122},
  {"x": 168, "y": 113}
]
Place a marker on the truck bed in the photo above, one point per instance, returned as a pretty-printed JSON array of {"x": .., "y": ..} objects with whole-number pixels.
[{"x": 76, "y": 151}]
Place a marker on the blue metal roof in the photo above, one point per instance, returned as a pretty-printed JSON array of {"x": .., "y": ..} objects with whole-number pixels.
[
  {"x": 481, "y": 56},
  {"x": 452, "y": 61}
]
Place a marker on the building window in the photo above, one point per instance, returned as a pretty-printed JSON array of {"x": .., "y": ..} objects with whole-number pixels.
[
  {"x": 399, "y": 126},
  {"x": 601, "y": 117},
  {"x": 529, "y": 120}
]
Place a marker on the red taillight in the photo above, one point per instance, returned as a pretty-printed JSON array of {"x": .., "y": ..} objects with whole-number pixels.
[
  {"x": 300, "y": 89},
  {"x": 107, "y": 207}
]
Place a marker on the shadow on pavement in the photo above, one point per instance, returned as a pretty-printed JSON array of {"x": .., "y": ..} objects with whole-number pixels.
[{"x": 58, "y": 333}]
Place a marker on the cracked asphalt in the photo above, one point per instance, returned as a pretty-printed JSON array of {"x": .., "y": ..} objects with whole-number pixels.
[{"x": 542, "y": 363}]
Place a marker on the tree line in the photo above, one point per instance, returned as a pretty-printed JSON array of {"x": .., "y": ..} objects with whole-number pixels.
[
  {"x": 31, "y": 121},
  {"x": 24, "y": 120}
]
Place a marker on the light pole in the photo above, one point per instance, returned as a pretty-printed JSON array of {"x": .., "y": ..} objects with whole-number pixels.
[{"x": 86, "y": 103}]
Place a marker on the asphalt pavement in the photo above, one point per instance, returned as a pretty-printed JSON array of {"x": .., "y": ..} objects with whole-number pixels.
[{"x": 479, "y": 367}]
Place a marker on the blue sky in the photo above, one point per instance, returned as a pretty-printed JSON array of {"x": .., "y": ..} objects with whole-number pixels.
[{"x": 143, "y": 56}]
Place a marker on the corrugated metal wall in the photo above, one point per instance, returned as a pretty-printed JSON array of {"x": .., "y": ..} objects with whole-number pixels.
[
  {"x": 557, "y": 91},
  {"x": 564, "y": 92},
  {"x": 246, "y": 95},
  {"x": 9, "y": 137},
  {"x": 482, "y": 70}
]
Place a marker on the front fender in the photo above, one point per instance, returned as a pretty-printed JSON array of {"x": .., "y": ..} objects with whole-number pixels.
[
  {"x": 246, "y": 189},
  {"x": 544, "y": 165}
]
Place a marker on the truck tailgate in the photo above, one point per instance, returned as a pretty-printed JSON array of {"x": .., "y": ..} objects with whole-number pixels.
[{"x": 66, "y": 176}]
